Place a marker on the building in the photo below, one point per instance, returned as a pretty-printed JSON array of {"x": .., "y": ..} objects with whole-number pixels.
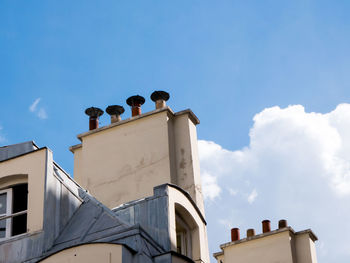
[
  {"x": 136, "y": 194},
  {"x": 280, "y": 245}
]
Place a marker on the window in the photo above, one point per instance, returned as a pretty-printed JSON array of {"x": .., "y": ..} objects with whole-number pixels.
[
  {"x": 183, "y": 237},
  {"x": 5, "y": 210},
  {"x": 13, "y": 211}
]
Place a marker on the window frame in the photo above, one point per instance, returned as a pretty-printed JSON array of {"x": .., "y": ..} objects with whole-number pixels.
[
  {"x": 185, "y": 236},
  {"x": 9, "y": 213},
  {"x": 8, "y": 216}
]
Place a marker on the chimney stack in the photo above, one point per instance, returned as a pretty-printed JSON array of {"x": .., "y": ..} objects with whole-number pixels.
[
  {"x": 160, "y": 97},
  {"x": 135, "y": 102},
  {"x": 266, "y": 227},
  {"x": 282, "y": 223},
  {"x": 235, "y": 234},
  {"x": 115, "y": 111},
  {"x": 250, "y": 232},
  {"x": 94, "y": 114}
]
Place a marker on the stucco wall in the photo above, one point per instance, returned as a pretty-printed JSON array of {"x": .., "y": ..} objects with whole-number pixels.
[
  {"x": 32, "y": 166},
  {"x": 273, "y": 248},
  {"x": 52, "y": 200},
  {"x": 282, "y": 245},
  {"x": 187, "y": 159},
  {"x": 305, "y": 249},
  {"x": 123, "y": 161},
  {"x": 90, "y": 253},
  {"x": 178, "y": 201}
]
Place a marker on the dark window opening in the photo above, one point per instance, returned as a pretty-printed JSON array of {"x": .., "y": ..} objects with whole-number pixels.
[{"x": 19, "y": 204}]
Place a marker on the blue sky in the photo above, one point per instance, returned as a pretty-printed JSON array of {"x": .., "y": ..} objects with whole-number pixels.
[{"x": 226, "y": 60}]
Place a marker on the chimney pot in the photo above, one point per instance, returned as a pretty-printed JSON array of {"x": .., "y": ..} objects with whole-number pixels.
[
  {"x": 160, "y": 97},
  {"x": 282, "y": 223},
  {"x": 115, "y": 111},
  {"x": 250, "y": 232},
  {"x": 266, "y": 226},
  {"x": 235, "y": 234},
  {"x": 135, "y": 102},
  {"x": 93, "y": 113}
]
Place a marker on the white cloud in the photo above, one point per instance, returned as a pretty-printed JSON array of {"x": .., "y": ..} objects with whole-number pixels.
[
  {"x": 297, "y": 163},
  {"x": 41, "y": 113},
  {"x": 252, "y": 196},
  {"x": 290, "y": 141},
  {"x": 33, "y": 106},
  {"x": 232, "y": 191},
  {"x": 210, "y": 187}
]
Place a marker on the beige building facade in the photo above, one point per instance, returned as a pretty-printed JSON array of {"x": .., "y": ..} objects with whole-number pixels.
[
  {"x": 125, "y": 160},
  {"x": 282, "y": 245},
  {"x": 136, "y": 194},
  {"x": 136, "y": 197}
]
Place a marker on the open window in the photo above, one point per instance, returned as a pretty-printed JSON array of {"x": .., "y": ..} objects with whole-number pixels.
[
  {"x": 183, "y": 237},
  {"x": 13, "y": 210}
]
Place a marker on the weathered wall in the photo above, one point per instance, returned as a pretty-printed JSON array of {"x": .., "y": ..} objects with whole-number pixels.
[
  {"x": 32, "y": 165},
  {"x": 124, "y": 161},
  {"x": 90, "y": 253},
  {"x": 77, "y": 159},
  {"x": 305, "y": 249},
  {"x": 273, "y": 248},
  {"x": 52, "y": 200},
  {"x": 156, "y": 214},
  {"x": 151, "y": 214},
  {"x": 179, "y": 203},
  {"x": 187, "y": 159},
  {"x": 61, "y": 201},
  {"x": 282, "y": 245}
]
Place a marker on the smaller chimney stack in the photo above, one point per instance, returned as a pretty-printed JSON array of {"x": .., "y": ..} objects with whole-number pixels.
[
  {"x": 250, "y": 232},
  {"x": 94, "y": 114},
  {"x": 160, "y": 97},
  {"x": 135, "y": 102},
  {"x": 266, "y": 226},
  {"x": 282, "y": 223},
  {"x": 115, "y": 111},
  {"x": 235, "y": 234}
]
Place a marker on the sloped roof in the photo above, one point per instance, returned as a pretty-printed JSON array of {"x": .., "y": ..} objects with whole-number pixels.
[
  {"x": 14, "y": 150},
  {"x": 95, "y": 223}
]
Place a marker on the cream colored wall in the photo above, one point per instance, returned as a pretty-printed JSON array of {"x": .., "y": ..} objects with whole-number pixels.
[
  {"x": 90, "y": 253},
  {"x": 187, "y": 159},
  {"x": 305, "y": 249},
  {"x": 125, "y": 162},
  {"x": 32, "y": 165},
  {"x": 77, "y": 159},
  {"x": 7, "y": 181},
  {"x": 200, "y": 249},
  {"x": 273, "y": 248}
]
